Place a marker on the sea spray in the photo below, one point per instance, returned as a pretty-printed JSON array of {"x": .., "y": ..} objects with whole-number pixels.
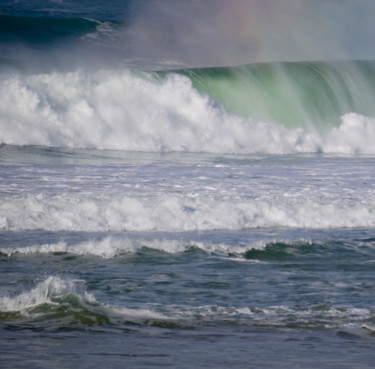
[{"x": 312, "y": 95}]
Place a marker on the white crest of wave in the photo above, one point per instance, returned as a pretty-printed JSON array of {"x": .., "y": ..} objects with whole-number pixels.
[
  {"x": 54, "y": 288},
  {"x": 111, "y": 247},
  {"x": 43, "y": 293},
  {"x": 108, "y": 247},
  {"x": 124, "y": 110}
]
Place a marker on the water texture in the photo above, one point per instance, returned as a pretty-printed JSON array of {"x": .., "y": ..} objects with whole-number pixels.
[{"x": 163, "y": 206}]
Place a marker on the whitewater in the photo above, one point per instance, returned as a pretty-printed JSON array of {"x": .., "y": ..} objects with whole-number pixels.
[
  {"x": 183, "y": 190},
  {"x": 139, "y": 111}
]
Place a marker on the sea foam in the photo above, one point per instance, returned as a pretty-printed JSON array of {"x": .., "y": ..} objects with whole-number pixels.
[{"x": 69, "y": 212}]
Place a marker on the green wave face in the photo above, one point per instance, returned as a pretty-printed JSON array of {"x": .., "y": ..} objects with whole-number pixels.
[{"x": 303, "y": 94}]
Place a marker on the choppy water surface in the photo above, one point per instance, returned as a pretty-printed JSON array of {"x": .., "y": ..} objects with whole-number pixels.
[{"x": 212, "y": 260}]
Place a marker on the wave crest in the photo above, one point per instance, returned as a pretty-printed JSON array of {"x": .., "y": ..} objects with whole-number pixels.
[{"x": 130, "y": 111}]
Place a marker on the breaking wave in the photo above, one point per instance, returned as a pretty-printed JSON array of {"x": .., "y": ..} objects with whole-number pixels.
[{"x": 253, "y": 109}]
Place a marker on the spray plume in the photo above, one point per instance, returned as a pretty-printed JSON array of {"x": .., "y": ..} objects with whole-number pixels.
[{"x": 221, "y": 32}]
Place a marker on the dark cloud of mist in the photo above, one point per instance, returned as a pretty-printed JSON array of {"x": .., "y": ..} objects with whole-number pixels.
[{"x": 222, "y": 32}]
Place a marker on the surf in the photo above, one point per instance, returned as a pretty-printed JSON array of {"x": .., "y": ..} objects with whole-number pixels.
[{"x": 270, "y": 108}]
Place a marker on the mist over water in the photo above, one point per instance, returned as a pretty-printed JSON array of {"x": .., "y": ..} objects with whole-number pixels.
[
  {"x": 222, "y": 33},
  {"x": 162, "y": 34}
]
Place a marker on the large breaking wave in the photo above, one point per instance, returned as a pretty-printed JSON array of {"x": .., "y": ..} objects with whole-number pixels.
[{"x": 270, "y": 108}]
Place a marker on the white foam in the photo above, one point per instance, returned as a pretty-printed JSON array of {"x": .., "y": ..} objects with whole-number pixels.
[
  {"x": 127, "y": 111},
  {"x": 136, "y": 314},
  {"x": 277, "y": 315},
  {"x": 176, "y": 212},
  {"x": 354, "y": 136}
]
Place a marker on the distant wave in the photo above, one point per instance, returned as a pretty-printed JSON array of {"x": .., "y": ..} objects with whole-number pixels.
[
  {"x": 286, "y": 108},
  {"x": 40, "y": 30},
  {"x": 46, "y": 43}
]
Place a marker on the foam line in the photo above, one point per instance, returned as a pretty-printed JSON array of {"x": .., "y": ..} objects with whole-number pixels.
[{"x": 69, "y": 212}]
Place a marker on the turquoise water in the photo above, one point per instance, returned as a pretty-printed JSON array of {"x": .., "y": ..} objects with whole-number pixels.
[{"x": 307, "y": 94}]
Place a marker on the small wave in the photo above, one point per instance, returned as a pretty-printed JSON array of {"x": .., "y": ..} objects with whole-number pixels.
[
  {"x": 60, "y": 302},
  {"x": 47, "y": 292},
  {"x": 257, "y": 251},
  {"x": 111, "y": 247},
  {"x": 56, "y": 302}
]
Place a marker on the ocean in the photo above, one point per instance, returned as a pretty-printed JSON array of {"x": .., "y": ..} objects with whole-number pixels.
[{"x": 161, "y": 210}]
